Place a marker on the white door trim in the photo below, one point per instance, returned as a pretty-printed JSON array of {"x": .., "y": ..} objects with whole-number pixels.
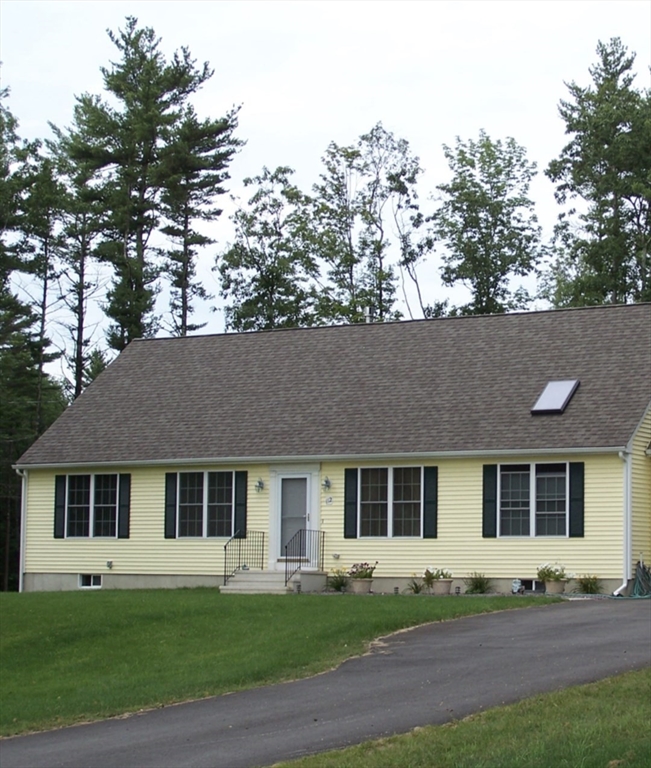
[{"x": 311, "y": 473}]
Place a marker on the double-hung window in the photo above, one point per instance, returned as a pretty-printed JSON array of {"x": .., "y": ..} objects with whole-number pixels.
[
  {"x": 391, "y": 501},
  {"x": 533, "y": 499},
  {"x": 92, "y": 506},
  {"x": 205, "y": 504}
]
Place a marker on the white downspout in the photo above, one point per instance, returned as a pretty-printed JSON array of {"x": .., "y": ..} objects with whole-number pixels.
[
  {"x": 23, "y": 519},
  {"x": 625, "y": 456}
]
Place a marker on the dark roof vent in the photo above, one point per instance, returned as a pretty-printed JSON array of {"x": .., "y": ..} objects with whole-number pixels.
[{"x": 555, "y": 397}]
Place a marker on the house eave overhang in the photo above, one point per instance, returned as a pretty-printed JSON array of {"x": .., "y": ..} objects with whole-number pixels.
[{"x": 296, "y": 458}]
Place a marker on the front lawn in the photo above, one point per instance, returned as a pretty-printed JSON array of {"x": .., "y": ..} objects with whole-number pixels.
[{"x": 71, "y": 656}]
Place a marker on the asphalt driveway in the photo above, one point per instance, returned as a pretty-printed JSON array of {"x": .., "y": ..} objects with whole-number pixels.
[{"x": 428, "y": 675}]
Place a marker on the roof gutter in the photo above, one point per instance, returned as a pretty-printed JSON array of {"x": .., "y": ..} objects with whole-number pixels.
[
  {"x": 302, "y": 458},
  {"x": 626, "y": 457},
  {"x": 22, "y": 473}
]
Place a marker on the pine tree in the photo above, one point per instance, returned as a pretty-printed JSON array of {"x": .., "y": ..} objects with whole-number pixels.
[
  {"x": 39, "y": 216},
  {"x": 193, "y": 170},
  {"x": 82, "y": 221},
  {"x": 604, "y": 247},
  {"x": 123, "y": 146},
  {"x": 30, "y": 399}
]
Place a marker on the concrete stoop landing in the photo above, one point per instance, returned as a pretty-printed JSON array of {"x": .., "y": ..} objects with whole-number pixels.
[{"x": 257, "y": 583}]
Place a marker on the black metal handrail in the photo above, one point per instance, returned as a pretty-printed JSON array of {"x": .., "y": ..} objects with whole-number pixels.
[
  {"x": 304, "y": 548},
  {"x": 242, "y": 552}
]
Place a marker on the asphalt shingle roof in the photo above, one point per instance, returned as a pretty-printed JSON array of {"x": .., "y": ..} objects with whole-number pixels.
[{"x": 445, "y": 385}]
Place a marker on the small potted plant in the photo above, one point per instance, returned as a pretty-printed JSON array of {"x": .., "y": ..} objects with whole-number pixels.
[
  {"x": 361, "y": 577},
  {"x": 437, "y": 581},
  {"x": 553, "y": 577}
]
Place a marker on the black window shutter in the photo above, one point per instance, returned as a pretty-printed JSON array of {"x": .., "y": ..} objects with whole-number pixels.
[
  {"x": 430, "y": 502},
  {"x": 60, "y": 507},
  {"x": 489, "y": 521},
  {"x": 240, "y": 504},
  {"x": 350, "y": 504},
  {"x": 124, "y": 506},
  {"x": 577, "y": 493},
  {"x": 170, "y": 505}
]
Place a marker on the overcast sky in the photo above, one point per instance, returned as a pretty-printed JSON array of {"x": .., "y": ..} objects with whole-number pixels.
[{"x": 307, "y": 73}]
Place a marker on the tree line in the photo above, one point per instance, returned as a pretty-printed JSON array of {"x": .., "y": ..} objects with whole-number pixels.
[{"x": 109, "y": 210}]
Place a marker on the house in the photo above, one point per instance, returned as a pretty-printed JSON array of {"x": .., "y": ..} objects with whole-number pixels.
[{"x": 486, "y": 443}]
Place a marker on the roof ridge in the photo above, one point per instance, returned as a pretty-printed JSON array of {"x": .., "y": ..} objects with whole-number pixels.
[{"x": 410, "y": 321}]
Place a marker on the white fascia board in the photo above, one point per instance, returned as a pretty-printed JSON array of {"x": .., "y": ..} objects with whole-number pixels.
[{"x": 243, "y": 460}]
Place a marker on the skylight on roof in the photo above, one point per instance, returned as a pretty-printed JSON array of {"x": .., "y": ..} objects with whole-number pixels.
[{"x": 555, "y": 397}]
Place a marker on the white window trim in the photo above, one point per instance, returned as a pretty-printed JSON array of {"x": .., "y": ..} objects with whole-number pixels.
[
  {"x": 204, "y": 516},
  {"x": 532, "y": 499},
  {"x": 91, "y": 528},
  {"x": 390, "y": 470}
]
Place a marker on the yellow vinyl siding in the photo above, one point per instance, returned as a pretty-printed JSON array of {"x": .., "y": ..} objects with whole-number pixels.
[
  {"x": 460, "y": 546},
  {"x": 641, "y": 493},
  {"x": 146, "y": 551}
]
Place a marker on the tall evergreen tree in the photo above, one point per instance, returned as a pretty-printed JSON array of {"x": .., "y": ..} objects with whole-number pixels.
[
  {"x": 123, "y": 146},
  {"x": 487, "y": 223},
  {"x": 40, "y": 212},
  {"x": 82, "y": 222},
  {"x": 604, "y": 245},
  {"x": 30, "y": 400},
  {"x": 97, "y": 362},
  {"x": 193, "y": 170},
  {"x": 9, "y": 188}
]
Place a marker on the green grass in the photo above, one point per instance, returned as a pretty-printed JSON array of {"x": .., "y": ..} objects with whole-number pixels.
[
  {"x": 68, "y": 656},
  {"x": 602, "y": 725}
]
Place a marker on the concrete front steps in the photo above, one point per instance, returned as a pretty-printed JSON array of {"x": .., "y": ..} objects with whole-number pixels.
[{"x": 257, "y": 583}]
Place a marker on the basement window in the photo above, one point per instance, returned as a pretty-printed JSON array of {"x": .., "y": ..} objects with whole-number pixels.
[
  {"x": 555, "y": 397},
  {"x": 90, "y": 581},
  {"x": 532, "y": 585}
]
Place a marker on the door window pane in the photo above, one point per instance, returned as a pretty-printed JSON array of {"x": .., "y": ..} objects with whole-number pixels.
[{"x": 293, "y": 512}]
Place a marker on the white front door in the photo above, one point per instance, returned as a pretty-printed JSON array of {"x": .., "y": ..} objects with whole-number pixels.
[
  {"x": 293, "y": 513},
  {"x": 294, "y": 492}
]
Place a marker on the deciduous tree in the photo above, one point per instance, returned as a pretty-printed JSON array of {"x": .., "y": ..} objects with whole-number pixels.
[
  {"x": 486, "y": 222},
  {"x": 365, "y": 197},
  {"x": 268, "y": 274}
]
